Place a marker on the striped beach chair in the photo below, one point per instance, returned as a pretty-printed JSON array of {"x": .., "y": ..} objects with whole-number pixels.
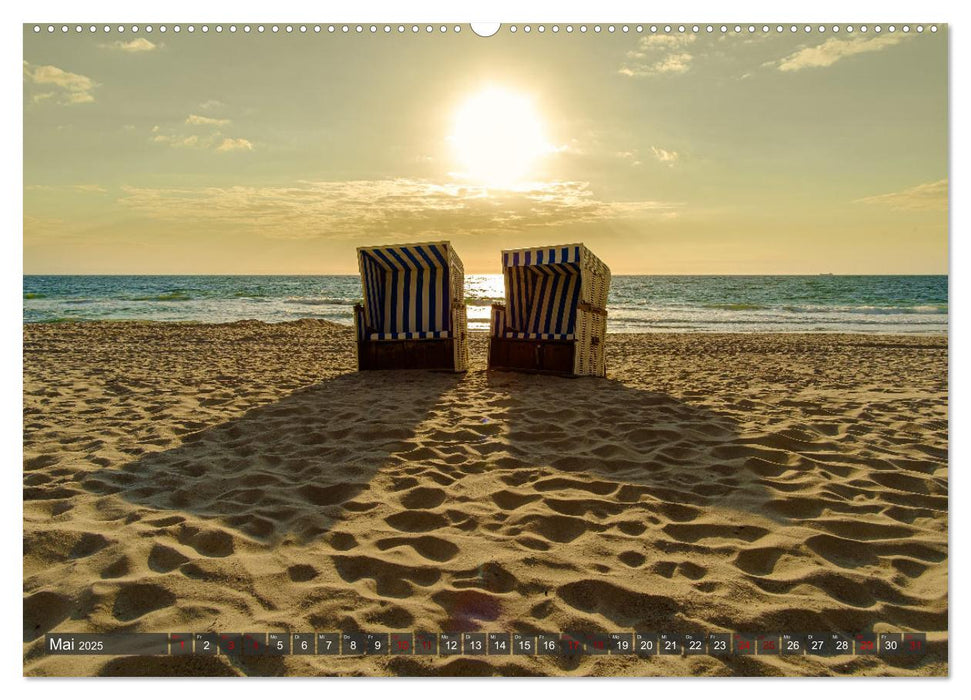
[
  {"x": 555, "y": 315},
  {"x": 413, "y": 315}
]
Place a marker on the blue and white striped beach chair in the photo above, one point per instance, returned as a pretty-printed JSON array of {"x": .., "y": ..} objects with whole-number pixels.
[
  {"x": 413, "y": 315},
  {"x": 555, "y": 315}
]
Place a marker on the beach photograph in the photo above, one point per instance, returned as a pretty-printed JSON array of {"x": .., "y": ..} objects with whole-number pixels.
[{"x": 609, "y": 350}]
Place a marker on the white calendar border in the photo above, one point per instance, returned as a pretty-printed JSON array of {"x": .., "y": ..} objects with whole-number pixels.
[{"x": 829, "y": 11}]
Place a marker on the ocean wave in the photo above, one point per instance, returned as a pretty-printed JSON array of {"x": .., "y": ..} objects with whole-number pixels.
[
  {"x": 637, "y": 304},
  {"x": 766, "y": 320},
  {"x": 165, "y": 296},
  {"x": 705, "y": 310},
  {"x": 922, "y": 309},
  {"x": 322, "y": 301},
  {"x": 736, "y": 307}
]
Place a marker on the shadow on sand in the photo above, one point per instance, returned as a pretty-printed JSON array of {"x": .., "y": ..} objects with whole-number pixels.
[
  {"x": 289, "y": 468},
  {"x": 568, "y": 458},
  {"x": 296, "y": 466}
]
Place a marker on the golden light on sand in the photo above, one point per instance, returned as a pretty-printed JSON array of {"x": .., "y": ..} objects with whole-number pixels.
[{"x": 498, "y": 137}]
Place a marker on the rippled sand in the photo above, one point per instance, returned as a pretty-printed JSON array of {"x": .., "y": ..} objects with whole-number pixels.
[{"x": 244, "y": 477}]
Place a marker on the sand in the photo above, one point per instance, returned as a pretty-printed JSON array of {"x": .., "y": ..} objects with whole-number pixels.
[{"x": 243, "y": 477}]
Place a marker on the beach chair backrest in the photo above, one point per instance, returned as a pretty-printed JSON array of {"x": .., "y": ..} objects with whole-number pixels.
[
  {"x": 409, "y": 289},
  {"x": 545, "y": 286}
]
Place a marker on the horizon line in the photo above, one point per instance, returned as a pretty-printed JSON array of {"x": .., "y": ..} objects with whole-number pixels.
[{"x": 357, "y": 274}]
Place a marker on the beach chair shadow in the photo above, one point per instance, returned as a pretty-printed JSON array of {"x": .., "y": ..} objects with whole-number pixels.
[
  {"x": 700, "y": 498},
  {"x": 666, "y": 458},
  {"x": 287, "y": 469}
]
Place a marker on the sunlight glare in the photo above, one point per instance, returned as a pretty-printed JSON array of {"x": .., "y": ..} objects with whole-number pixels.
[{"x": 498, "y": 137}]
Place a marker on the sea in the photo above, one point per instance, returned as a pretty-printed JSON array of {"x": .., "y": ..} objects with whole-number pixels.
[{"x": 637, "y": 303}]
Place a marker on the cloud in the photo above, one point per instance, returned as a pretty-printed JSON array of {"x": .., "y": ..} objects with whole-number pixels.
[
  {"x": 214, "y": 140},
  {"x": 48, "y": 227},
  {"x": 832, "y": 50},
  {"x": 930, "y": 196},
  {"x": 659, "y": 54},
  {"x": 662, "y": 41},
  {"x": 178, "y": 140},
  {"x": 396, "y": 207},
  {"x": 70, "y": 88},
  {"x": 669, "y": 158},
  {"x": 196, "y": 120},
  {"x": 63, "y": 188},
  {"x": 139, "y": 45},
  {"x": 235, "y": 145},
  {"x": 630, "y": 156}
]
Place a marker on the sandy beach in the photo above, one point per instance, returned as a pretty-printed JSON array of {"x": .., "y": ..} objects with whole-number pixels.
[{"x": 244, "y": 477}]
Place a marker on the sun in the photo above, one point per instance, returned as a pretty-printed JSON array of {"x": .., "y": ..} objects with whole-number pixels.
[{"x": 498, "y": 137}]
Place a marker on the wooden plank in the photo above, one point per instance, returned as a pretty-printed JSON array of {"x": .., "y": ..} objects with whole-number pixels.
[
  {"x": 545, "y": 356},
  {"x": 556, "y": 357},
  {"x": 406, "y": 354}
]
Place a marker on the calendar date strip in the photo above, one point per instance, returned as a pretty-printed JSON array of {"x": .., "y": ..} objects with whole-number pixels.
[{"x": 644, "y": 644}]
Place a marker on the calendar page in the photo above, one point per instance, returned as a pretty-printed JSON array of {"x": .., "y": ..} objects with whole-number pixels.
[{"x": 516, "y": 349}]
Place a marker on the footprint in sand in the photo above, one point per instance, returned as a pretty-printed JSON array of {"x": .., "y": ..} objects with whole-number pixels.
[
  {"x": 136, "y": 599},
  {"x": 511, "y": 500},
  {"x": 557, "y": 528},
  {"x": 43, "y": 611},
  {"x": 490, "y": 577},
  {"x": 390, "y": 579},
  {"x": 424, "y": 497},
  {"x": 632, "y": 559},
  {"x": 209, "y": 543},
  {"x": 759, "y": 561},
  {"x": 701, "y": 531},
  {"x": 300, "y": 573},
  {"x": 429, "y": 547},
  {"x": 416, "y": 521},
  {"x": 164, "y": 559},
  {"x": 622, "y": 607}
]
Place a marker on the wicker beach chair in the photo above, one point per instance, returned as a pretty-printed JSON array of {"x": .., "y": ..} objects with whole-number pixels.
[
  {"x": 555, "y": 316},
  {"x": 413, "y": 315}
]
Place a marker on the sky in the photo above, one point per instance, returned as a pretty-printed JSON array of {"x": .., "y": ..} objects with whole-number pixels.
[{"x": 232, "y": 153}]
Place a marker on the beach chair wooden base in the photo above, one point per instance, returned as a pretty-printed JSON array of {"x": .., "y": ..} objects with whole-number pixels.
[
  {"x": 407, "y": 354},
  {"x": 542, "y": 356}
]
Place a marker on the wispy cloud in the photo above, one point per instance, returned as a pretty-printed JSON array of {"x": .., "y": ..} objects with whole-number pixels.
[
  {"x": 392, "y": 207},
  {"x": 70, "y": 88},
  {"x": 659, "y": 54},
  {"x": 669, "y": 158},
  {"x": 197, "y": 120},
  {"x": 175, "y": 140},
  {"x": 62, "y": 188},
  {"x": 928, "y": 196},
  {"x": 213, "y": 139},
  {"x": 630, "y": 157},
  {"x": 833, "y": 50},
  {"x": 235, "y": 145},
  {"x": 139, "y": 45},
  {"x": 46, "y": 227}
]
